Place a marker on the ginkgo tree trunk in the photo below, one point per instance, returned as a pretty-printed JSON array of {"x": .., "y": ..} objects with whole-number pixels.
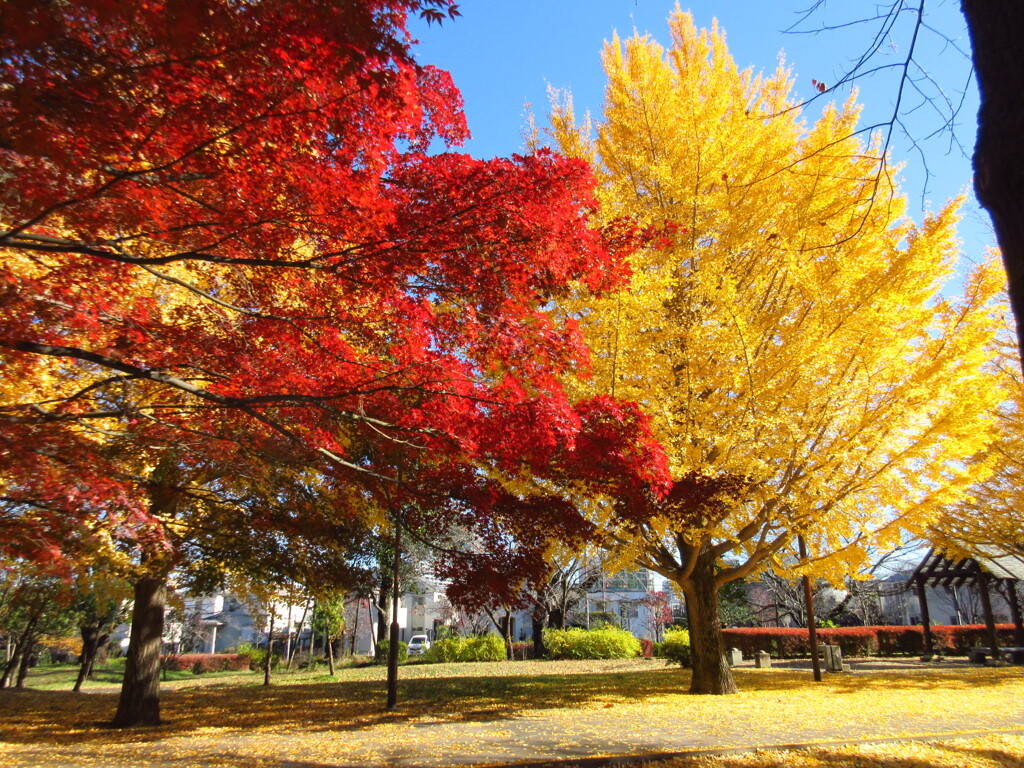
[{"x": 793, "y": 340}]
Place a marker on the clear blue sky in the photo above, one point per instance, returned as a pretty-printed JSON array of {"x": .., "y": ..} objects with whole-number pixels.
[{"x": 503, "y": 54}]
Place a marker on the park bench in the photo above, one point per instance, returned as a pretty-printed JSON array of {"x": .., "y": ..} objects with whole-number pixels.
[{"x": 1013, "y": 654}]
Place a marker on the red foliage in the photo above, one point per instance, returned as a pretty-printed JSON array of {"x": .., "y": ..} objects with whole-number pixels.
[
  {"x": 647, "y": 648},
  {"x": 206, "y": 662},
  {"x": 365, "y": 302},
  {"x": 784, "y": 642}
]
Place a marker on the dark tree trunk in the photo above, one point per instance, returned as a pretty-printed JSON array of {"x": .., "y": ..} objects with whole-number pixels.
[
  {"x": 26, "y": 659},
  {"x": 506, "y": 631},
  {"x": 537, "y": 622},
  {"x": 90, "y": 645},
  {"x": 382, "y": 609},
  {"x": 990, "y": 619},
  {"x": 556, "y": 618},
  {"x": 139, "y": 704},
  {"x": 270, "y": 648},
  {"x": 711, "y": 673},
  {"x": 20, "y": 647},
  {"x": 995, "y": 28}
]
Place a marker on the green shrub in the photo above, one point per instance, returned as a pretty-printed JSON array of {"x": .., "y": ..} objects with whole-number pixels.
[
  {"x": 485, "y": 648},
  {"x": 677, "y": 646},
  {"x": 445, "y": 650},
  {"x": 658, "y": 650},
  {"x": 607, "y": 643},
  {"x": 453, "y": 649},
  {"x": 255, "y": 655},
  {"x": 384, "y": 647}
]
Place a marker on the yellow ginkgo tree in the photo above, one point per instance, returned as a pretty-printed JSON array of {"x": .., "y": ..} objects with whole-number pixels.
[
  {"x": 988, "y": 521},
  {"x": 789, "y": 340}
]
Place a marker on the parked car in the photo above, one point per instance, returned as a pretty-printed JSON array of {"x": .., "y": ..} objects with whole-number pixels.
[{"x": 418, "y": 644}]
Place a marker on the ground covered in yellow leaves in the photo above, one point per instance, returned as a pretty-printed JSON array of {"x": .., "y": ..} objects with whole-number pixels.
[{"x": 529, "y": 711}]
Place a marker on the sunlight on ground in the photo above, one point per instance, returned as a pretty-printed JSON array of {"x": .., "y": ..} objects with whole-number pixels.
[
  {"x": 988, "y": 752},
  {"x": 489, "y": 711}
]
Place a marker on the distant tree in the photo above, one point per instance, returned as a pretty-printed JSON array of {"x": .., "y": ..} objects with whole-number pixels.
[{"x": 329, "y": 619}]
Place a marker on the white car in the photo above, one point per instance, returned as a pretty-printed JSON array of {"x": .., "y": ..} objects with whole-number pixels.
[{"x": 418, "y": 644}]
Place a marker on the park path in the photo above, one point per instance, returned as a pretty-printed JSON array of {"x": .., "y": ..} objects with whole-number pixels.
[{"x": 562, "y": 735}]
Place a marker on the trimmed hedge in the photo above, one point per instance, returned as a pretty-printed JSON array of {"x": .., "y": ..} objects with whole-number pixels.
[
  {"x": 677, "y": 647},
  {"x": 199, "y": 663},
  {"x": 785, "y": 642},
  {"x": 607, "y": 643},
  {"x": 483, "y": 648},
  {"x": 384, "y": 648}
]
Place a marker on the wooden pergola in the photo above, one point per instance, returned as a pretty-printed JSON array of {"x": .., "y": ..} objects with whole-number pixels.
[{"x": 937, "y": 570}]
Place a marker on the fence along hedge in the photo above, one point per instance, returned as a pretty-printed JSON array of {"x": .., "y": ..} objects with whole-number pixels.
[
  {"x": 785, "y": 642},
  {"x": 206, "y": 662}
]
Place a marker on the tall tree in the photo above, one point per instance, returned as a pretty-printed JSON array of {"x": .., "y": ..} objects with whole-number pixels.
[
  {"x": 220, "y": 222},
  {"x": 988, "y": 521},
  {"x": 790, "y": 342}
]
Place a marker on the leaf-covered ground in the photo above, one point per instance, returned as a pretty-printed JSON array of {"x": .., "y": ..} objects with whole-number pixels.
[{"x": 492, "y": 713}]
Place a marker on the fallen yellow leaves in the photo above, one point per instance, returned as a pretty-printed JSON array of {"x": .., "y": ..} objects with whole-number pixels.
[
  {"x": 997, "y": 751},
  {"x": 526, "y": 711}
]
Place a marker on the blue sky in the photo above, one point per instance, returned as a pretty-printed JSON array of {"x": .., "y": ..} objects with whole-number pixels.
[{"x": 503, "y": 54}]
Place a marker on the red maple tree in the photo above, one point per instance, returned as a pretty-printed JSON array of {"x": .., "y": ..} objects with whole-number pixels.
[{"x": 221, "y": 220}]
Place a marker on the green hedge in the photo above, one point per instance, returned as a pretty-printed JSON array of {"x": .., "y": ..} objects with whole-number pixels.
[
  {"x": 383, "y": 648},
  {"x": 676, "y": 646},
  {"x": 607, "y": 643},
  {"x": 452, "y": 649}
]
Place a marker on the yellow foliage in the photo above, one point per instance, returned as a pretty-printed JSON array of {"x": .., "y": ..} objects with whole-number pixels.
[
  {"x": 988, "y": 520},
  {"x": 793, "y": 335}
]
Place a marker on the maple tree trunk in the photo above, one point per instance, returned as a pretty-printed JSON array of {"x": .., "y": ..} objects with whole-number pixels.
[
  {"x": 506, "y": 628},
  {"x": 556, "y": 618},
  {"x": 139, "y": 704},
  {"x": 90, "y": 645},
  {"x": 26, "y": 660},
  {"x": 995, "y": 28},
  {"x": 270, "y": 649},
  {"x": 20, "y": 648},
  {"x": 298, "y": 634},
  {"x": 711, "y": 673},
  {"x": 330, "y": 654},
  {"x": 538, "y": 637}
]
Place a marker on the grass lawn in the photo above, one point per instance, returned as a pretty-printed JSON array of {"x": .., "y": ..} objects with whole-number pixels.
[{"x": 505, "y": 711}]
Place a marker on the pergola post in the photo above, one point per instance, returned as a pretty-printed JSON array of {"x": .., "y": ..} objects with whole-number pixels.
[
  {"x": 926, "y": 620},
  {"x": 1011, "y": 598},
  {"x": 990, "y": 620}
]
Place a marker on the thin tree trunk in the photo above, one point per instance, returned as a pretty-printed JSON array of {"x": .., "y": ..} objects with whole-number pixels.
[
  {"x": 298, "y": 635},
  {"x": 711, "y": 673},
  {"x": 507, "y": 631},
  {"x": 330, "y": 653},
  {"x": 19, "y": 648},
  {"x": 537, "y": 625},
  {"x": 90, "y": 643},
  {"x": 270, "y": 648},
  {"x": 393, "y": 636},
  {"x": 26, "y": 660},
  {"x": 139, "y": 704},
  {"x": 355, "y": 631}
]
